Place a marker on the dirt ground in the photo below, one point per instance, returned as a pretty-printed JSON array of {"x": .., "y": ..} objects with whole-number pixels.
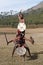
[{"x": 36, "y": 49}]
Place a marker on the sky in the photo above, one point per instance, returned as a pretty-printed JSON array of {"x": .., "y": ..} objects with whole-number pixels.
[{"x": 17, "y": 5}]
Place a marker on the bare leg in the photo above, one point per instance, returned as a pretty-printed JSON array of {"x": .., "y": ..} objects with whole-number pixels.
[
  {"x": 28, "y": 51},
  {"x": 14, "y": 50}
]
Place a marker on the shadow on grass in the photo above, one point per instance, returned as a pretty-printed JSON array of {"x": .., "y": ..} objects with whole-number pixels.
[{"x": 35, "y": 55}]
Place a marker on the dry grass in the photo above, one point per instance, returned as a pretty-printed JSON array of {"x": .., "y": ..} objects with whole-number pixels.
[{"x": 36, "y": 49}]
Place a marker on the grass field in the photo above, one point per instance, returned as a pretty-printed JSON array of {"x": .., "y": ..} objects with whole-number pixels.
[{"x": 36, "y": 49}]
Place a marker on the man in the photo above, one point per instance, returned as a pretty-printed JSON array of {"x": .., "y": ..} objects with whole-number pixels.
[{"x": 20, "y": 36}]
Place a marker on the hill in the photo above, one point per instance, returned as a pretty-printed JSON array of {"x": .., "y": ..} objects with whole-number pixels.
[
  {"x": 33, "y": 17},
  {"x": 38, "y": 6}
]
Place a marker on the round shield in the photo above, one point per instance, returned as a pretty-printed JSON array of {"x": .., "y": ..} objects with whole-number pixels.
[{"x": 20, "y": 50}]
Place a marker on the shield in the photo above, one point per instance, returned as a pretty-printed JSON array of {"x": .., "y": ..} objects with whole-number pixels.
[{"x": 20, "y": 50}]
